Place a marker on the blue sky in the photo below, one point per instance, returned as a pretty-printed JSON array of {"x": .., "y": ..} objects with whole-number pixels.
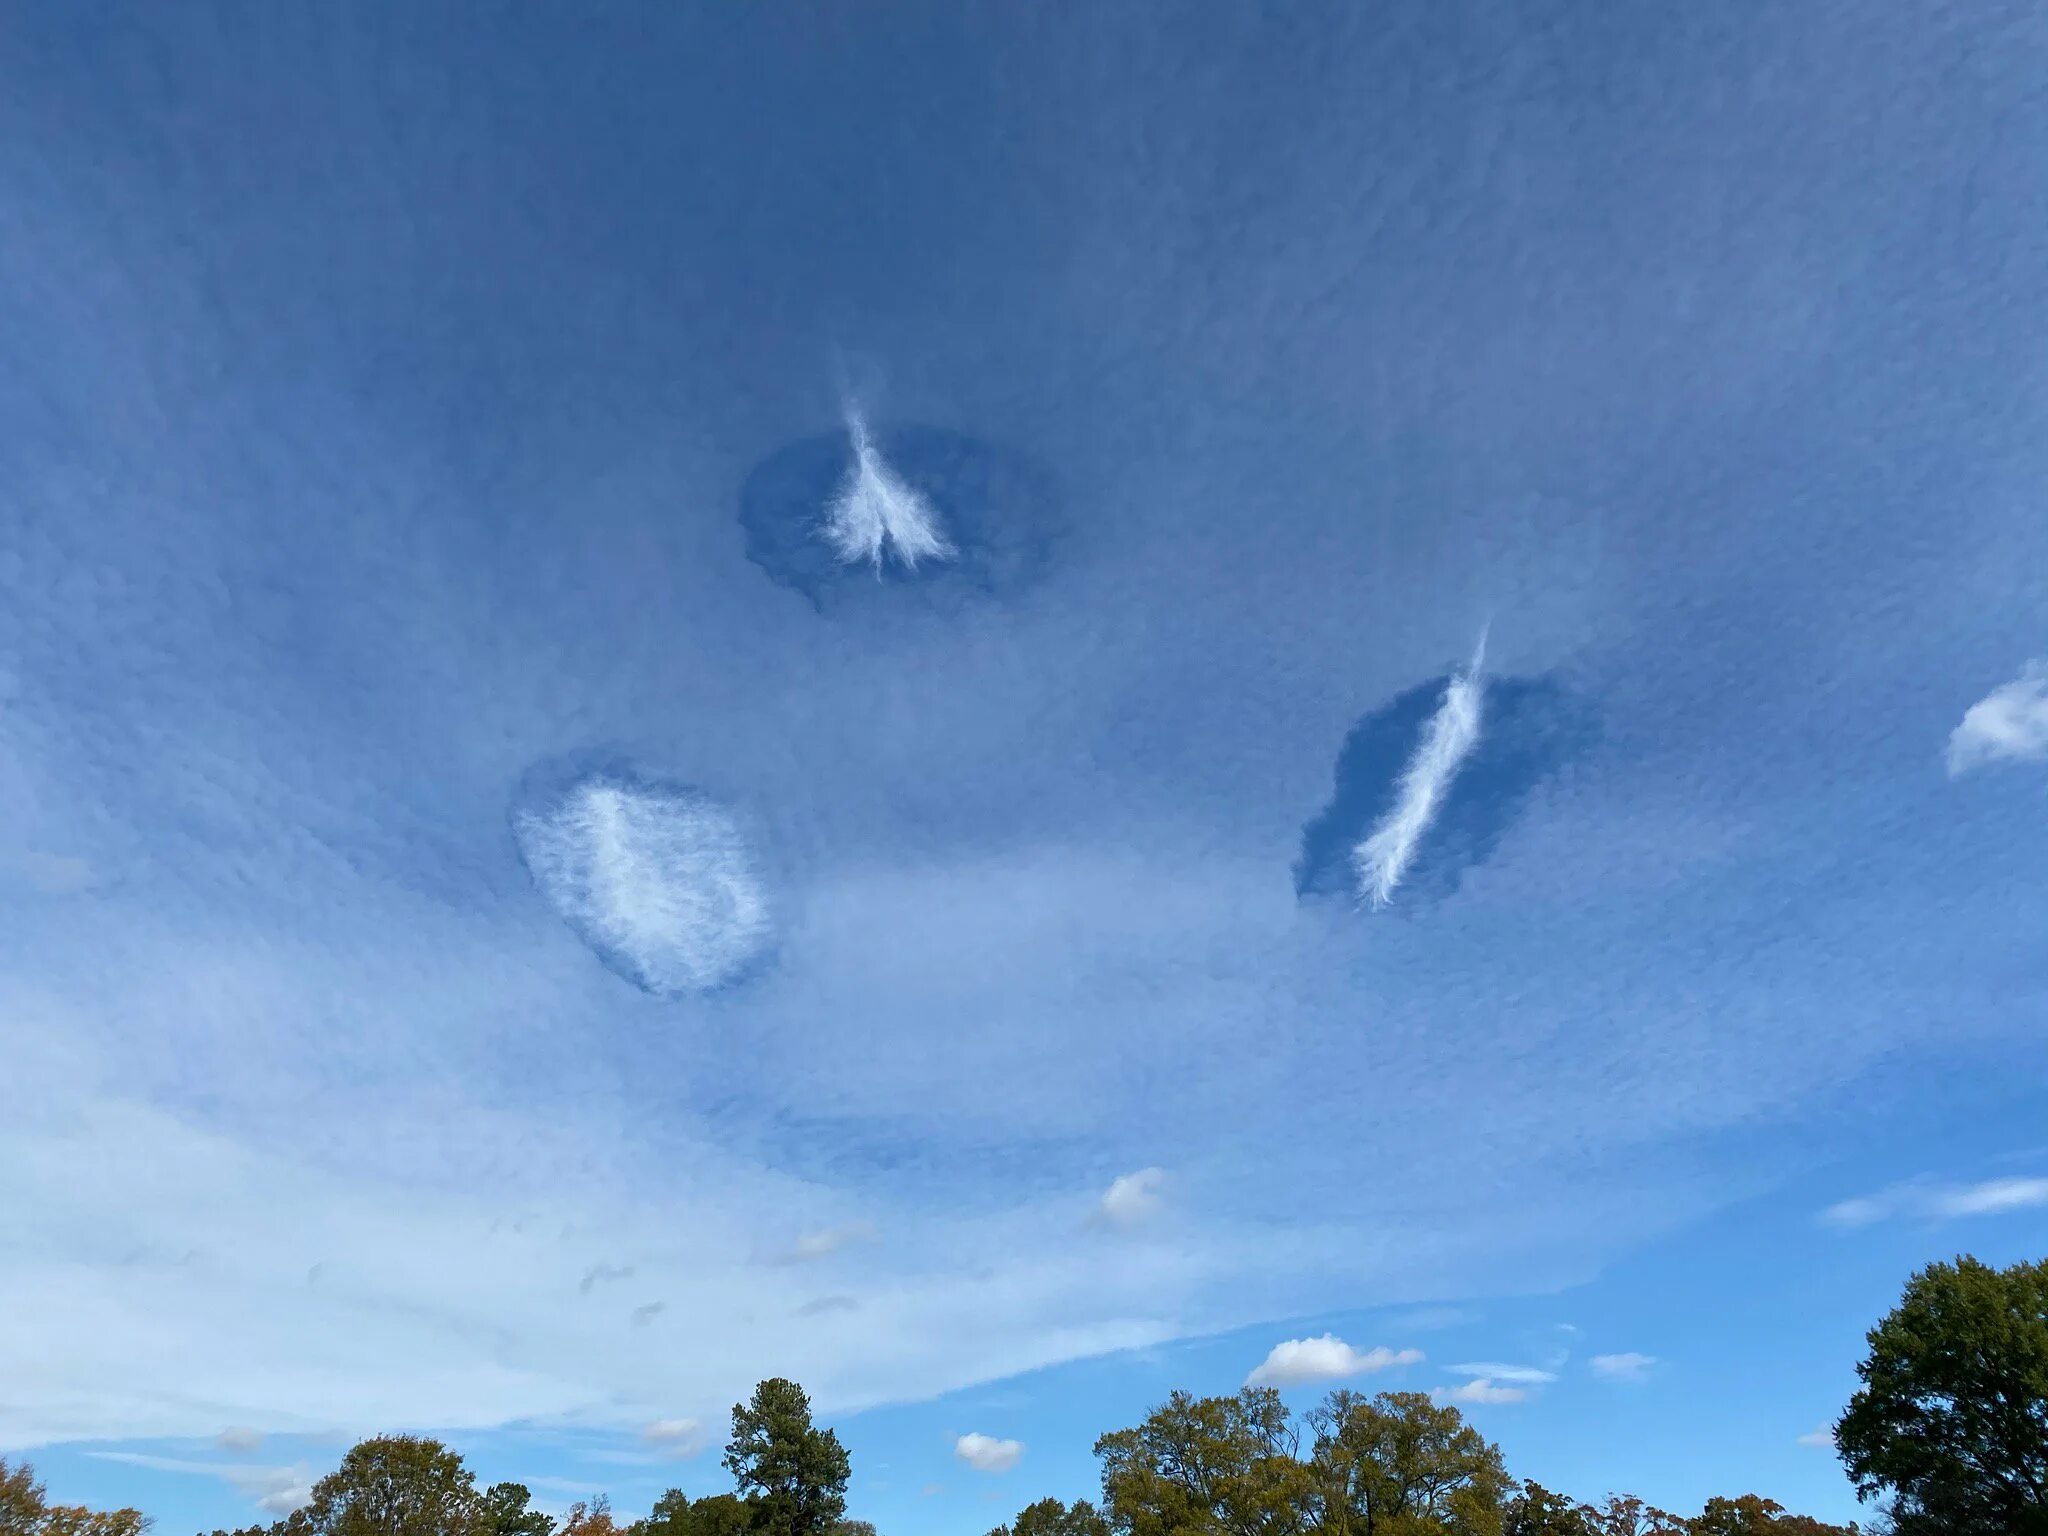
[{"x": 507, "y": 934}]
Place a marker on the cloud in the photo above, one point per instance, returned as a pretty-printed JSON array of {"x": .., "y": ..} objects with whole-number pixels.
[
  {"x": 660, "y": 882},
  {"x": 238, "y": 1440},
  {"x": 2008, "y": 725},
  {"x": 647, "y": 1313},
  {"x": 1528, "y": 1374},
  {"x": 1132, "y": 1199},
  {"x": 1480, "y": 1389},
  {"x": 823, "y": 1242},
  {"x": 1626, "y": 1366},
  {"x": 825, "y": 1305},
  {"x": 877, "y": 513},
  {"x": 984, "y": 1453},
  {"x": 1939, "y": 1202},
  {"x": 597, "y": 1274},
  {"x": 676, "y": 1439},
  {"x": 1382, "y": 859},
  {"x": 1822, "y": 1438},
  {"x": 275, "y": 1490},
  {"x": 1294, "y": 1362}
]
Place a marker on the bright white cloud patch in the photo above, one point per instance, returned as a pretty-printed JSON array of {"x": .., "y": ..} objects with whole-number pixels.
[
  {"x": 1626, "y": 1366},
  {"x": 1821, "y": 1439},
  {"x": 1132, "y": 1199},
  {"x": 1383, "y": 858},
  {"x": 2008, "y": 725},
  {"x": 1295, "y": 1362},
  {"x": 876, "y": 513},
  {"x": 1940, "y": 1202},
  {"x": 1494, "y": 1370},
  {"x": 661, "y": 882},
  {"x": 985, "y": 1453},
  {"x": 677, "y": 1438},
  {"x": 1481, "y": 1389}
]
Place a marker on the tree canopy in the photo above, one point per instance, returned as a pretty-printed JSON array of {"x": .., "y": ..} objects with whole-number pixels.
[
  {"x": 790, "y": 1472},
  {"x": 1951, "y": 1421},
  {"x": 25, "y": 1511}
]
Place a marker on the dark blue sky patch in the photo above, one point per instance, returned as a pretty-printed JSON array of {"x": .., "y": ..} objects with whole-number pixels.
[
  {"x": 996, "y": 509},
  {"x": 1532, "y": 727}
]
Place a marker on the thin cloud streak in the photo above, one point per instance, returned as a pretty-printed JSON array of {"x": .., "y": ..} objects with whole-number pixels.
[
  {"x": 1384, "y": 856},
  {"x": 1940, "y": 1202}
]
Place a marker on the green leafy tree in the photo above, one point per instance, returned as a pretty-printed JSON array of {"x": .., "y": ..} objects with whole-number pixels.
[
  {"x": 1535, "y": 1511},
  {"x": 1400, "y": 1465},
  {"x": 393, "y": 1485},
  {"x": 1050, "y": 1517},
  {"x": 1197, "y": 1466},
  {"x": 792, "y": 1474},
  {"x": 24, "y": 1511},
  {"x": 1754, "y": 1515},
  {"x": 1624, "y": 1514},
  {"x": 676, "y": 1514},
  {"x": 508, "y": 1511},
  {"x": 1951, "y": 1422},
  {"x": 854, "y": 1528}
]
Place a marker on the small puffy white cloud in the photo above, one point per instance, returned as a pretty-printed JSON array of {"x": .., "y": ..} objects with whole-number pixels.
[
  {"x": 985, "y": 1453},
  {"x": 2008, "y": 725},
  {"x": 675, "y": 1438},
  {"x": 1496, "y": 1371},
  {"x": 1132, "y": 1199},
  {"x": 1295, "y": 1362},
  {"x": 1940, "y": 1202},
  {"x": 1481, "y": 1389},
  {"x": 239, "y": 1440},
  {"x": 1626, "y": 1366},
  {"x": 1821, "y": 1439},
  {"x": 823, "y": 1242}
]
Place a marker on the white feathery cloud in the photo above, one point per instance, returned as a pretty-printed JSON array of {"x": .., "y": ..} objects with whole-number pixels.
[
  {"x": 1626, "y": 1366},
  {"x": 1383, "y": 858},
  {"x": 985, "y": 1453},
  {"x": 1940, "y": 1202},
  {"x": 1294, "y": 1362},
  {"x": 2008, "y": 725},
  {"x": 1132, "y": 1199},
  {"x": 676, "y": 1439},
  {"x": 663, "y": 881},
  {"x": 1821, "y": 1439},
  {"x": 1481, "y": 1389},
  {"x": 877, "y": 513},
  {"x": 1495, "y": 1370}
]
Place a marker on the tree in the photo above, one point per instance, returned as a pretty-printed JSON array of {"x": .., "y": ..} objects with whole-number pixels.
[
  {"x": 854, "y": 1528},
  {"x": 1222, "y": 1465},
  {"x": 1536, "y": 1511},
  {"x": 675, "y": 1514},
  {"x": 1952, "y": 1418},
  {"x": 508, "y": 1511},
  {"x": 1049, "y": 1517},
  {"x": 1754, "y": 1515},
  {"x": 393, "y": 1485},
  {"x": 793, "y": 1475},
  {"x": 590, "y": 1519},
  {"x": 1627, "y": 1515},
  {"x": 24, "y": 1511},
  {"x": 1399, "y": 1463}
]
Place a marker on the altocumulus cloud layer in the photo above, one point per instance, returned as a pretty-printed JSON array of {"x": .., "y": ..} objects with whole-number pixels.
[
  {"x": 1428, "y": 785},
  {"x": 659, "y": 881}
]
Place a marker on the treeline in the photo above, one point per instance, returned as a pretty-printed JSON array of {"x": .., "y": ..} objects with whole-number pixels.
[{"x": 1949, "y": 1431}]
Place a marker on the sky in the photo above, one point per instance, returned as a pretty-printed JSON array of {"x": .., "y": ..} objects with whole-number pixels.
[{"x": 1006, "y": 708}]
